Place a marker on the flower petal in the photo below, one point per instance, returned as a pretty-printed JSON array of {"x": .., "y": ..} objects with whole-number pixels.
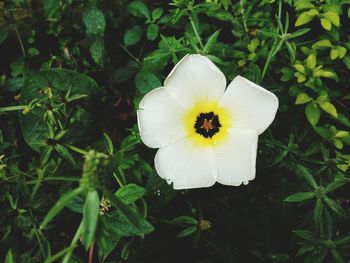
[
  {"x": 251, "y": 106},
  {"x": 194, "y": 78},
  {"x": 160, "y": 119},
  {"x": 236, "y": 157},
  {"x": 186, "y": 165}
]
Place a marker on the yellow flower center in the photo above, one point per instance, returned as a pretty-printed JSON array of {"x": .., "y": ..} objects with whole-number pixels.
[{"x": 207, "y": 123}]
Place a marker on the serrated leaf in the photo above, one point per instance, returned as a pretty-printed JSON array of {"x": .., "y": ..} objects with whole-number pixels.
[
  {"x": 157, "y": 13},
  {"x": 97, "y": 49},
  {"x": 133, "y": 36},
  {"x": 298, "y": 197},
  {"x": 313, "y": 113},
  {"x": 94, "y": 20},
  {"x": 130, "y": 193},
  {"x": 119, "y": 224},
  {"x": 329, "y": 108},
  {"x": 138, "y": 9},
  {"x": 152, "y": 31},
  {"x": 146, "y": 81},
  {"x": 90, "y": 217}
]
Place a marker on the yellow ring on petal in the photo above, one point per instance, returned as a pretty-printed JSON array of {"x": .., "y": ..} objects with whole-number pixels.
[{"x": 205, "y": 106}]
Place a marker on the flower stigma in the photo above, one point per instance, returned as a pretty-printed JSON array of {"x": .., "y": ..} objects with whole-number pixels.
[{"x": 207, "y": 124}]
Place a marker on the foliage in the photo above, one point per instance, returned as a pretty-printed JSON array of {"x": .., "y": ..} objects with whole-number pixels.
[{"x": 75, "y": 177}]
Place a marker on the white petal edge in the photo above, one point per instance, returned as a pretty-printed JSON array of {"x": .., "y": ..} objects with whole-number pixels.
[
  {"x": 251, "y": 106},
  {"x": 236, "y": 157},
  {"x": 159, "y": 118},
  {"x": 195, "y": 77},
  {"x": 186, "y": 165}
]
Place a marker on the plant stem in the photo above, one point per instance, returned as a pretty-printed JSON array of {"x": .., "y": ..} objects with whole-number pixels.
[
  {"x": 20, "y": 42},
  {"x": 91, "y": 252},
  {"x": 131, "y": 55},
  {"x": 73, "y": 244},
  {"x": 196, "y": 33}
]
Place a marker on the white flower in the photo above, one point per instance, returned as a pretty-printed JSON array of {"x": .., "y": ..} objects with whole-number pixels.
[{"x": 204, "y": 133}]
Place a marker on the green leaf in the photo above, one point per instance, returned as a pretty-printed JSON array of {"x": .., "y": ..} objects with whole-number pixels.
[
  {"x": 346, "y": 61},
  {"x": 64, "y": 153},
  {"x": 187, "y": 231},
  {"x": 322, "y": 44},
  {"x": 120, "y": 225},
  {"x": 211, "y": 41},
  {"x": 124, "y": 209},
  {"x": 338, "y": 258},
  {"x": 302, "y": 98},
  {"x": 307, "y": 235},
  {"x": 3, "y": 34},
  {"x": 329, "y": 108},
  {"x": 342, "y": 51},
  {"x": 334, "y": 53},
  {"x": 138, "y": 9},
  {"x": 299, "y": 32},
  {"x": 304, "y": 18},
  {"x": 130, "y": 193},
  {"x": 313, "y": 113},
  {"x": 9, "y": 257},
  {"x": 90, "y": 217},
  {"x": 342, "y": 240},
  {"x": 326, "y": 24},
  {"x": 318, "y": 212},
  {"x": 157, "y": 13},
  {"x": 108, "y": 143},
  {"x": 335, "y": 206},
  {"x": 311, "y": 61},
  {"x": 332, "y": 17},
  {"x": 338, "y": 181},
  {"x": 60, "y": 204},
  {"x": 185, "y": 220},
  {"x": 94, "y": 20},
  {"x": 307, "y": 175},
  {"x": 298, "y": 197},
  {"x": 133, "y": 36},
  {"x": 97, "y": 50},
  {"x": 152, "y": 31},
  {"x": 60, "y": 81},
  {"x": 146, "y": 81}
]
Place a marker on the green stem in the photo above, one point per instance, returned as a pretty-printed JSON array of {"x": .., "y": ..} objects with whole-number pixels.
[
  {"x": 20, "y": 42},
  {"x": 196, "y": 32},
  {"x": 267, "y": 63},
  {"x": 73, "y": 244},
  {"x": 131, "y": 55}
]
